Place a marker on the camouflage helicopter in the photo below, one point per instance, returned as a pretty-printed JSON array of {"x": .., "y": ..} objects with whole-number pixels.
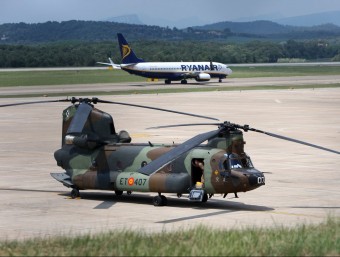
[{"x": 95, "y": 156}]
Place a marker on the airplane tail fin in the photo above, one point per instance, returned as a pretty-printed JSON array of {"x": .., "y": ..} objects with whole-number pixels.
[{"x": 128, "y": 56}]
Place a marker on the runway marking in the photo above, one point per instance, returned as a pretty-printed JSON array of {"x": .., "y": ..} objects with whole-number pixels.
[{"x": 278, "y": 101}]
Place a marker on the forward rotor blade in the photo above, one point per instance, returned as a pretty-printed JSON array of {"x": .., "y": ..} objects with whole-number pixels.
[
  {"x": 186, "y": 125},
  {"x": 174, "y": 153},
  {"x": 35, "y": 102},
  {"x": 294, "y": 140},
  {"x": 158, "y": 109},
  {"x": 80, "y": 118}
]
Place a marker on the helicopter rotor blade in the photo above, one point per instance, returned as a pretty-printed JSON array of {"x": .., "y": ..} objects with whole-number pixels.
[
  {"x": 246, "y": 128},
  {"x": 158, "y": 109},
  {"x": 174, "y": 153},
  {"x": 36, "y": 102},
  {"x": 79, "y": 119},
  {"x": 294, "y": 140},
  {"x": 185, "y": 125}
]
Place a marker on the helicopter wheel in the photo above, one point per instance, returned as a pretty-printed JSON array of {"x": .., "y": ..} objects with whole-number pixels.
[
  {"x": 205, "y": 198},
  {"x": 118, "y": 192},
  {"x": 75, "y": 193},
  {"x": 164, "y": 200},
  {"x": 159, "y": 200}
]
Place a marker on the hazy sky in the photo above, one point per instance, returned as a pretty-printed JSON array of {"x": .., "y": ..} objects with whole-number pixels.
[{"x": 159, "y": 11}]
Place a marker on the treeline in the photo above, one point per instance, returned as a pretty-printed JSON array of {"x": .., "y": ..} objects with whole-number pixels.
[{"x": 79, "y": 54}]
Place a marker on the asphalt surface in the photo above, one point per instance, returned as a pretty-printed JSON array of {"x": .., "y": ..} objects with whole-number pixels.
[
  {"x": 137, "y": 86},
  {"x": 302, "y": 183}
]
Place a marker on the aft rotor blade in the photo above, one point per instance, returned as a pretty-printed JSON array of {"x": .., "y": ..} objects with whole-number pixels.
[
  {"x": 79, "y": 119},
  {"x": 174, "y": 153},
  {"x": 158, "y": 109},
  {"x": 294, "y": 140},
  {"x": 35, "y": 102}
]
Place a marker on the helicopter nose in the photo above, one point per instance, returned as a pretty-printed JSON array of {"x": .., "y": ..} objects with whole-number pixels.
[{"x": 257, "y": 179}]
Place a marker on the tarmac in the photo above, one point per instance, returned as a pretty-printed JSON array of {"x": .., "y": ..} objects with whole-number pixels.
[{"x": 302, "y": 183}]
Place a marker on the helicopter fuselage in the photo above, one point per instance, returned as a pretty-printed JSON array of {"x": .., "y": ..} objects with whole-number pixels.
[{"x": 114, "y": 167}]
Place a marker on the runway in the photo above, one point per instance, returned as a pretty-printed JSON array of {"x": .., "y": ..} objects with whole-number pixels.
[
  {"x": 302, "y": 183},
  {"x": 140, "y": 86}
]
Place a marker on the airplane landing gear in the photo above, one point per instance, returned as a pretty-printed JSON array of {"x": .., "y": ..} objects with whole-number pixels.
[
  {"x": 184, "y": 81},
  {"x": 167, "y": 81}
]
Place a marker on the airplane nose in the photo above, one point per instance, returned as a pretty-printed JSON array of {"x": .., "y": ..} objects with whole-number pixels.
[{"x": 229, "y": 71}]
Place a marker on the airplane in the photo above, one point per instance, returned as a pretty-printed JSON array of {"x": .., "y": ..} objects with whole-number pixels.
[{"x": 170, "y": 71}]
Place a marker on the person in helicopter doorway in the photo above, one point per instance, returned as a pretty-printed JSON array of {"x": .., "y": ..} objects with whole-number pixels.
[{"x": 199, "y": 164}]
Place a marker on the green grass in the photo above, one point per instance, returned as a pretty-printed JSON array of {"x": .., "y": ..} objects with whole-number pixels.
[
  {"x": 36, "y": 78},
  {"x": 283, "y": 71},
  {"x": 312, "y": 240}
]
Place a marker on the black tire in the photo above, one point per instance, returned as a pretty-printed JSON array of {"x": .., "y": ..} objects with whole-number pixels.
[
  {"x": 118, "y": 192},
  {"x": 75, "y": 193},
  {"x": 157, "y": 201},
  {"x": 205, "y": 198},
  {"x": 164, "y": 200}
]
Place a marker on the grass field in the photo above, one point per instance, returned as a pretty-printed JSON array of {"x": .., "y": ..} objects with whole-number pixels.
[
  {"x": 312, "y": 240},
  {"x": 37, "y": 78}
]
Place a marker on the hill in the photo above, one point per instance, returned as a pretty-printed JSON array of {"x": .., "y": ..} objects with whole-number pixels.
[
  {"x": 272, "y": 30},
  {"x": 314, "y": 19},
  {"x": 96, "y": 31}
]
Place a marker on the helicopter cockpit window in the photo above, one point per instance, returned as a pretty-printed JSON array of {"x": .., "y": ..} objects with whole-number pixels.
[{"x": 234, "y": 161}]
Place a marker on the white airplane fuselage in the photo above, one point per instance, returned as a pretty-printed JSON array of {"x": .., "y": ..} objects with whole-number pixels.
[{"x": 201, "y": 71}]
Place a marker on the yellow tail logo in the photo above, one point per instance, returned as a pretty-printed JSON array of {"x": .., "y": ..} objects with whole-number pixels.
[{"x": 125, "y": 50}]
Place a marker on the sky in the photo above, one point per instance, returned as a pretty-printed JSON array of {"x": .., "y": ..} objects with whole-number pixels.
[{"x": 179, "y": 13}]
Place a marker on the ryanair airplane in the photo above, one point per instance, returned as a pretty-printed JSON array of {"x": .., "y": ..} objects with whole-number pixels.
[{"x": 170, "y": 71}]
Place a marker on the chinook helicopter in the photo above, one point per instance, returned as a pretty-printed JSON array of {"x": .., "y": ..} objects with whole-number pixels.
[{"x": 95, "y": 156}]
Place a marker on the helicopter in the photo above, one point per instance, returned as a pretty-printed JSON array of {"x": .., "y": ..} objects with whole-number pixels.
[{"x": 95, "y": 156}]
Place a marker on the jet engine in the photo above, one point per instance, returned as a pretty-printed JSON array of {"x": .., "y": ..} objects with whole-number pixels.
[{"x": 203, "y": 77}]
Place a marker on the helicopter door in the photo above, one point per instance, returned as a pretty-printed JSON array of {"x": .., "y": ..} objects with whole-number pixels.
[{"x": 197, "y": 171}]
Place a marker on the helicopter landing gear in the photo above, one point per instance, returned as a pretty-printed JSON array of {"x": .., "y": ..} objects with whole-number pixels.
[
  {"x": 118, "y": 192},
  {"x": 75, "y": 193},
  {"x": 205, "y": 198},
  {"x": 160, "y": 200}
]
